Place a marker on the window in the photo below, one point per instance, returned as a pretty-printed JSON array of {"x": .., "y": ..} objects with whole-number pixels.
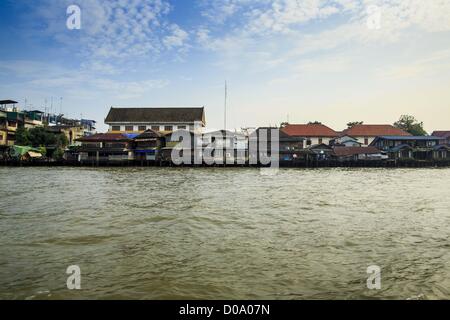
[
  {"x": 115, "y": 128},
  {"x": 182, "y": 127},
  {"x": 129, "y": 128},
  {"x": 366, "y": 141},
  {"x": 308, "y": 142},
  {"x": 155, "y": 128},
  {"x": 320, "y": 140},
  {"x": 142, "y": 128},
  {"x": 168, "y": 128}
]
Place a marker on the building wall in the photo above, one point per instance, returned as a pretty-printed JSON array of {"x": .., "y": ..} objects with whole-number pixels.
[
  {"x": 3, "y": 135},
  {"x": 316, "y": 140},
  {"x": 363, "y": 142},
  {"x": 136, "y": 128}
]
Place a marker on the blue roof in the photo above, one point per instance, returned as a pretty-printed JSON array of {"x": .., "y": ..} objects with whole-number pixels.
[
  {"x": 408, "y": 138},
  {"x": 131, "y": 135}
]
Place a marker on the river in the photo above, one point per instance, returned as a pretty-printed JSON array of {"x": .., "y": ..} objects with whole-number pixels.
[{"x": 223, "y": 233}]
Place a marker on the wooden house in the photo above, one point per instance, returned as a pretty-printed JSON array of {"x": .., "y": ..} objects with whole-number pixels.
[
  {"x": 408, "y": 147},
  {"x": 105, "y": 147},
  {"x": 444, "y": 135},
  {"x": 147, "y": 146},
  {"x": 358, "y": 153}
]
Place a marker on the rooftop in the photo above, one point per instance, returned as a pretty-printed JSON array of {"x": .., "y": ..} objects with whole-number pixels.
[
  {"x": 442, "y": 134},
  {"x": 409, "y": 138},
  {"x": 309, "y": 130},
  {"x": 3, "y": 102},
  {"x": 350, "y": 151},
  {"x": 156, "y": 115},
  {"x": 374, "y": 130},
  {"x": 105, "y": 137}
]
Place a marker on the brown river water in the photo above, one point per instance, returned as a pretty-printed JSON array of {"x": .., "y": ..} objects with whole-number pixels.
[{"x": 220, "y": 233}]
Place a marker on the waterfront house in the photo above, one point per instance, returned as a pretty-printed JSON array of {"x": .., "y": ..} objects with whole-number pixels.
[
  {"x": 312, "y": 133},
  {"x": 262, "y": 140},
  {"x": 147, "y": 145},
  {"x": 290, "y": 148},
  {"x": 444, "y": 135},
  {"x": 408, "y": 147},
  {"x": 366, "y": 133},
  {"x": 225, "y": 147},
  {"x": 441, "y": 152},
  {"x": 318, "y": 152},
  {"x": 3, "y": 129},
  {"x": 33, "y": 119},
  {"x": 10, "y": 120},
  {"x": 345, "y": 141},
  {"x": 342, "y": 153},
  {"x": 105, "y": 147},
  {"x": 164, "y": 120}
]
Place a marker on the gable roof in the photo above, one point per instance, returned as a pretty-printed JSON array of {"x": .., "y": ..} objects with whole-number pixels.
[
  {"x": 309, "y": 130},
  {"x": 441, "y": 134},
  {"x": 156, "y": 115},
  {"x": 374, "y": 130},
  {"x": 409, "y": 138},
  {"x": 105, "y": 137},
  {"x": 350, "y": 151},
  {"x": 148, "y": 134},
  {"x": 4, "y": 102}
]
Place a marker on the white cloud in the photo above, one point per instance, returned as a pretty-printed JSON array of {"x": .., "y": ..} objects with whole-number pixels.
[{"x": 177, "y": 38}]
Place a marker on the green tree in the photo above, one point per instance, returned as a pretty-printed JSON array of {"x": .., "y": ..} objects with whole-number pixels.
[
  {"x": 354, "y": 123},
  {"x": 410, "y": 124},
  {"x": 40, "y": 137},
  {"x": 23, "y": 137}
]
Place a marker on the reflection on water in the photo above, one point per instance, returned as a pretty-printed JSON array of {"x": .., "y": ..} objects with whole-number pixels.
[{"x": 165, "y": 233}]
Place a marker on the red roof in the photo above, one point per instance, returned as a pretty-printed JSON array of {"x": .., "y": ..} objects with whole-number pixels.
[
  {"x": 309, "y": 130},
  {"x": 374, "y": 130},
  {"x": 350, "y": 151},
  {"x": 107, "y": 137},
  {"x": 441, "y": 134}
]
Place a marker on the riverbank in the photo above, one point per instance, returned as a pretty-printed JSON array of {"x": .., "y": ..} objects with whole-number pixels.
[{"x": 287, "y": 164}]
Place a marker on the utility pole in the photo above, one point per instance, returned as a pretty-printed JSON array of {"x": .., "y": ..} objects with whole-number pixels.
[{"x": 225, "y": 109}]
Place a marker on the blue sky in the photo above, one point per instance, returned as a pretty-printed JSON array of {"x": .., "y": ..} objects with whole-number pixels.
[{"x": 329, "y": 60}]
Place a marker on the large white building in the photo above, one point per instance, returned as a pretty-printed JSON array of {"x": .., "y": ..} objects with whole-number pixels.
[{"x": 160, "y": 119}]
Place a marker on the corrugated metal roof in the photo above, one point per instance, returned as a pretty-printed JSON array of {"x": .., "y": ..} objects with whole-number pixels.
[{"x": 155, "y": 115}]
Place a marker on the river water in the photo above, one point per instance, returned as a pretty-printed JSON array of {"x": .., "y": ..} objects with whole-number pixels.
[{"x": 220, "y": 233}]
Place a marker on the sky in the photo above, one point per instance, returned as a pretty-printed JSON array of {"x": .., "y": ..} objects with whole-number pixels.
[{"x": 333, "y": 61}]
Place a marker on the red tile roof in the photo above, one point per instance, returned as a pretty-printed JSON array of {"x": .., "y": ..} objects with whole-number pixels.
[
  {"x": 374, "y": 130},
  {"x": 441, "y": 134},
  {"x": 309, "y": 130},
  {"x": 108, "y": 137},
  {"x": 350, "y": 151}
]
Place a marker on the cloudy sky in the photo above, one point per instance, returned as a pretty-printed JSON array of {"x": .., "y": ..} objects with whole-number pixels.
[{"x": 329, "y": 60}]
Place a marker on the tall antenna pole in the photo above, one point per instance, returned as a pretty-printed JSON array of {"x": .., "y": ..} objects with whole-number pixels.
[{"x": 225, "y": 111}]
